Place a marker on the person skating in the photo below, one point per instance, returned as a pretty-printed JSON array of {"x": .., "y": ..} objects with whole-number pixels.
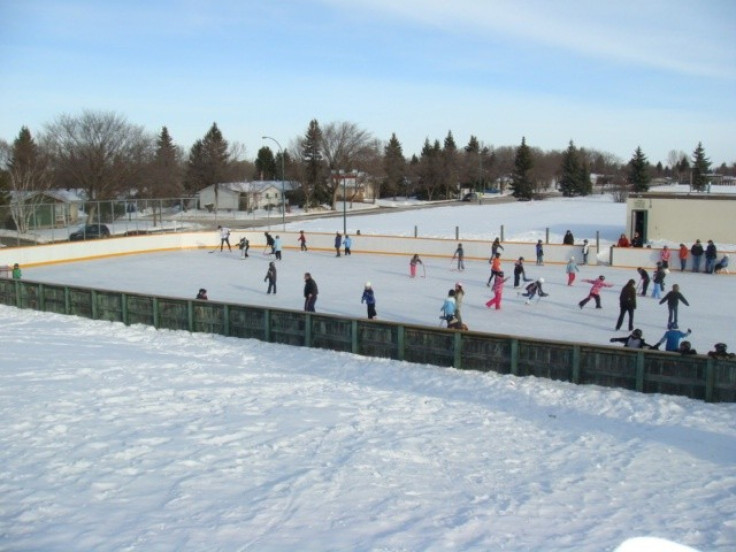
[
  {"x": 495, "y": 268},
  {"x": 520, "y": 272},
  {"x": 671, "y": 339},
  {"x": 460, "y": 256},
  {"x": 277, "y": 247},
  {"x": 673, "y": 298},
  {"x": 415, "y": 260},
  {"x": 202, "y": 294},
  {"x": 224, "y": 237},
  {"x": 633, "y": 341},
  {"x": 497, "y": 291},
  {"x": 627, "y": 304},
  {"x": 571, "y": 268},
  {"x": 658, "y": 280},
  {"x": 338, "y": 243},
  {"x": 271, "y": 278},
  {"x": 347, "y": 244},
  {"x": 244, "y": 246},
  {"x": 310, "y": 292},
  {"x": 269, "y": 243},
  {"x": 495, "y": 246},
  {"x": 302, "y": 239},
  {"x": 595, "y": 290},
  {"x": 369, "y": 298},
  {"x": 448, "y": 308},
  {"x": 534, "y": 289},
  {"x": 644, "y": 280},
  {"x": 539, "y": 250}
]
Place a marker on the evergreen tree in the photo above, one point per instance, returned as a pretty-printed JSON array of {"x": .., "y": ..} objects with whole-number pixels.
[
  {"x": 265, "y": 164},
  {"x": 574, "y": 175},
  {"x": 638, "y": 173},
  {"x": 394, "y": 164},
  {"x": 165, "y": 174},
  {"x": 701, "y": 168},
  {"x": 450, "y": 166},
  {"x": 209, "y": 162},
  {"x": 521, "y": 181},
  {"x": 313, "y": 185},
  {"x": 429, "y": 170}
]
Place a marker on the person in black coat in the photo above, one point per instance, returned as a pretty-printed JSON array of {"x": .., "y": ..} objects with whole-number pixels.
[
  {"x": 569, "y": 239},
  {"x": 710, "y": 257},
  {"x": 271, "y": 278},
  {"x": 696, "y": 252},
  {"x": 627, "y": 304},
  {"x": 673, "y": 298},
  {"x": 310, "y": 292}
]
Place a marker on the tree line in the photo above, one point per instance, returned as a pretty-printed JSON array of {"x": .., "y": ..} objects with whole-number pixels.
[{"x": 107, "y": 157}]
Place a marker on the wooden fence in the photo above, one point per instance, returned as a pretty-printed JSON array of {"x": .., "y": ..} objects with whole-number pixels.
[{"x": 697, "y": 377}]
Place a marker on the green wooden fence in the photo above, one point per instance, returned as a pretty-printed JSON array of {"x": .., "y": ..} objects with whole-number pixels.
[{"x": 696, "y": 377}]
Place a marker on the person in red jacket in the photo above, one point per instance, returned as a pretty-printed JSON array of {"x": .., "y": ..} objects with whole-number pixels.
[
  {"x": 595, "y": 291},
  {"x": 623, "y": 241},
  {"x": 682, "y": 254}
]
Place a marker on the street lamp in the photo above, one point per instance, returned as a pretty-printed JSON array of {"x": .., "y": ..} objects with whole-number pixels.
[{"x": 283, "y": 175}]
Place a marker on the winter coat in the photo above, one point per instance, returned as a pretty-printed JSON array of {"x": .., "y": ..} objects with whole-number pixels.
[
  {"x": 498, "y": 285},
  {"x": 571, "y": 267},
  {"x": 496, "y": 264},
  {"x": 696, "y": 250},
  {"x": 271, "y": 273},
  {"x": 627, "y": 298},
  {"x": 598, "y": 284},
  {"x": 672, "y": 298},
  {"x": 369, "y": 298},
  {"x": 643, "y": 274},
  {"x": 659, "y": 276},
  {"x": 310, "y": 288},
  {"x": 448, "y": 307},
  {"x": 569, "y": 239},
  {"x": 631, "y": 342},
  {"x": 710, "y": 251}
]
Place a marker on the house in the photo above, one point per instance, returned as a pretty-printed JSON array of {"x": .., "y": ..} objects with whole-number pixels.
[
  {"x": 355, "y": 186},
  {"x": 46, "y": 209},
  {"x": 682, "y": 216},
  {"x": 244, "y": 196}
]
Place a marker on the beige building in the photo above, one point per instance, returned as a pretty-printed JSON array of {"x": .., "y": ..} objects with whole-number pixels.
[{"x": 682, "y": 217}]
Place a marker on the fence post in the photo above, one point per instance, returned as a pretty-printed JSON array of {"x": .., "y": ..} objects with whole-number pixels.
[
  {"x": 416, "y": 231},
  {"x": 226, "y": 320},
  {"x": 457, "y": 361},
  {"x": 67, "y": 301},
  {"x": 502, "y": 229},
  {"x": 190, "y": 315},
  {"x": 155, "y": 313},
  {"x": 546, "y": 235},
  {"x": 41, "y": 297},
  {"x": 267, "y": 325},
  {"x": 124, "y": 308},
  {"x": 400, "y": 343},
  {"x": 514, "y": 356},
  {"x": 307, "y": 330},
  {"x": 93, "y": 306},
  {"x": 576, "y": 364},
  {"x": 354, "y": 336},
  {"x": 640, "y": 371},
  {"x": 457, "y": 233},
  {"x": 710, "y": 379}
]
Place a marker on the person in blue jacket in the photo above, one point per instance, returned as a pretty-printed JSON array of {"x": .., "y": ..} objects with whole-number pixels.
[
  {"x": 369, "y": 298},
  {"x": 671, "y": 339},
  {"x": 348, "y": 244}
]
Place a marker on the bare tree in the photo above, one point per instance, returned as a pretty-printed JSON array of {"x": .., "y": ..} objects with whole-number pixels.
[
  {"x": 346, "y": 147},
  {"x": 99, "y": 152}
]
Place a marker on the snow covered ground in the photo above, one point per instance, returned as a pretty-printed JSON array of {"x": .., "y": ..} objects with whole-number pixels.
[{"x": 126, "y": 438}]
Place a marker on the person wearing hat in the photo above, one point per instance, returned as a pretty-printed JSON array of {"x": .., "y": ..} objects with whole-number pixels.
[
  {"x": 594, "y": 293},
  {"x": 519, "y": 272},
  {"x": 369, "y": 298},
  {"x": 497, "y": 291},
  {"x": 202, "y": 294},
  {"x": 571, "y": 268},
  {"x": 720, "y": 350},
  {"x": 271, "y": 278},
  {"x": 720, "y": 265}
]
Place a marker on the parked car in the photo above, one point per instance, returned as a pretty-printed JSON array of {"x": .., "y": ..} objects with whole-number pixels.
[
  {"x": 471, "y": 196},
  {"x": 90, "y": 232}
]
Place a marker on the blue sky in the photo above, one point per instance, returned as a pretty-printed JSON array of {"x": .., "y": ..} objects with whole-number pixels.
[{"x": 607, "y": 75}]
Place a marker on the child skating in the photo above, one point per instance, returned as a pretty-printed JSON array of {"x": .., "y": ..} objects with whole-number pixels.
[
  {"x": 571, "y": 268},
  {"x": 497, "y": 291},
  {"x": 594, "y": 293}
]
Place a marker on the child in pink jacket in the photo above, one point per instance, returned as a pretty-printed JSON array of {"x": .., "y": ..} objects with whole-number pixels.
[
  {"x": 594, "y": 292},
  {"x": 497, "y": 291}
]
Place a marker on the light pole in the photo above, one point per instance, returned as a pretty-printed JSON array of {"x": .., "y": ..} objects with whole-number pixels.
[
  {"x": 344, "y": 207},
  {"x": 283, "y": 196}
]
